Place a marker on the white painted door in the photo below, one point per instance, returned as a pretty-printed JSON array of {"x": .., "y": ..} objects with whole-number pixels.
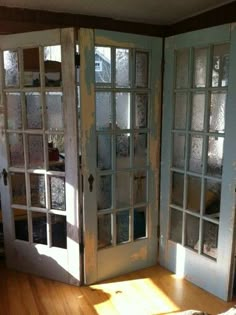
[
  {"x": 38, "y": 154},
  {"x": 120, "y": 127}
]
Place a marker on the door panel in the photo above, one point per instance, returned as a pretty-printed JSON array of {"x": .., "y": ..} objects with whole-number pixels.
[
  {"x": 39, "y": 128},
  {"x": 120, "y": 112}
]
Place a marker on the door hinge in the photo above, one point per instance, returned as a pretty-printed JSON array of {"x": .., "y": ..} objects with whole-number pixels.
[{"x": 77, "y": 60}]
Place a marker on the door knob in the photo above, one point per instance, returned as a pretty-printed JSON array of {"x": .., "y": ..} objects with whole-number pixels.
[
  {"x": 4, "y": 174},
  {"x": 91, "y": 180}
]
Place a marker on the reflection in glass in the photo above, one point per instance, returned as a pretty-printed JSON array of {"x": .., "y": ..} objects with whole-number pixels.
[
  {"x": 57, "y": 192},
  {"x": 31, "y": 67},
  {"x": 35, "y": 147},
  {"x": 141, "y": 110},
  {"x": 37, "y": 190},
  {"x": 139, "y": 187},
  {"x": 212, "y": 198},
  {"x": 33, "y": 110},
  {"x": 16, "y": 150},
  {"x": 14, "y": 114},
  {"x": 194, "y": 193},
  {"x": 141, "y": 67},
  {"x": 198, "y": 108},
  {"x": 195, "y": 161},
  {"x": 217, "y": 112},
  {"x": 192, "y": 232},
  {"x": 56, "y": 152},
  {"x": 220, "y": 65},
  {"x": 104, "y": 231},
  {"x": 21, "y": 224},
  {"x": 123, "y": 110},
  {"x": 210, "y": 239},
  {"x": 123, "y": 151},
  {"x": 140, "y": 150},
  {"x": 180, "y": 110},
  {"x": 58, "y": 230},
  {"x": 54, "y": 111},
  {"x": 18, "y": 188},
  {"x": 215, "y": 156},
  {"x": 122, "y": 189},
  {"x": 103, "y": 64},
  {"x": 177, "y": 192},
  {"x": 39, "y": 223},
  {"x": 139, "y": 223},
  {"x": 104, "y": 152},
  {"x": 103, "y": 111},
  {"x": 122, "y": 226},
  {"x": 176, "y": 223},
  {"x": 52, "y": 65},
  {"x": 200, "y": 66},
  {"x": 182, "y": 68},
  {"x": 122, "y": 67},
  {"x": 104, "y": 192},
  {"x": 11, "y": 68},
  {"x": 178, "y": 150}
]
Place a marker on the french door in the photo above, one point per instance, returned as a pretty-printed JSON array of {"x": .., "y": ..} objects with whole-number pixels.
[
  {"x": 198, "y": 151},
  {"x": 39, "y": 157},
  {"x": 120, "y": 79}
]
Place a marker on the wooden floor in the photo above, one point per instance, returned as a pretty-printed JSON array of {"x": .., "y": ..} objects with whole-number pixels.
[{"x": 146, "y": 292}]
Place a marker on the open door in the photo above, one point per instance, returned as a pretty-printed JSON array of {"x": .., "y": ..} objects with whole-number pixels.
[
  {"x": 198, "y": 158},
  {"x": 120, "y": 128},
  {"x": 38, "y": 152}
]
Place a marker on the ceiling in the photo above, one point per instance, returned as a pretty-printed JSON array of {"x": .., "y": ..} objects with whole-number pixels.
[{"x": 159, "y": 12}]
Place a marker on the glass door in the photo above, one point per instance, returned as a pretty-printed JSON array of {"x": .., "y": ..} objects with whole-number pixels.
[
  {"x": 120, "y": 142},
  {"x": 39, "y": 182}
]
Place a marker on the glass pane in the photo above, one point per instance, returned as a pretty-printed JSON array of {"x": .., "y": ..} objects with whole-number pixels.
[
  {"x": 220, "y": 65},
  {"x": 123, "y": 151},
  {"x": 176, "y": 223},
  {"x": 122, "y": 226},
  {"x": 182, "y": 68},
  {"x": 59, "y": 231},
  {"x": 122, "y": 67},
  {"x": 16, "y": 150},
  {"x": 39, "y": 222},
  {"x": 215, "y": 156},
  {"x": 212, "y": 198},
  {"x": 21, "y": 224},
  {"x": 104, "y": 231},
  {"x": 18, "y": 188},
  {"x": 11, "y": 68},
  {"x": 33, "y": 110},
  {"x": 139, "y": 187},
  {"x": 140, "y": 150},
  {"x": 36, "y": 159},
  {"x": 104, "y": 192},
  {"x": 198, "y": 108},
  {"x": 141, "y": 67},
  {"x": 141, "y": 110},
  {"x": 54, "y": 111},
  {"x": 122, "y": 189},
  {"x": 37, "y": 190},
  {"x": 178, "y": 150},
  {"x": 180, "y": 109},
  {"x": 31, "y": 67},
  {"x": 217, "y": 112},
  {"x": 103, "y": 111},
  {"x": 200, "y": 67},
  {"x": 52, "y": 65},
  {"x": 210, "y": 239},
  {"x": 192, "y": 232},
  {"x": 104, "y": 152},
  {"x": 139, "y": 223},
  {"x": 56, "y": 153},
  {"x": 57, "y": 193},
  {"x": 194, "y": 194},
  {"x": 195, "y": 160},
  {"x": 14, "y": 114},
  {"x": 123, "y": 110},
  {"x": 103, "y": 64},
  {"x": 177, "y": 192}
]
